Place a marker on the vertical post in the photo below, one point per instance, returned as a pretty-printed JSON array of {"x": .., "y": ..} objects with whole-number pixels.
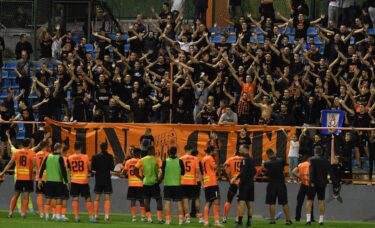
[
  {"x": 170, "y": 92},
  {"x": 332, "y": 147}
]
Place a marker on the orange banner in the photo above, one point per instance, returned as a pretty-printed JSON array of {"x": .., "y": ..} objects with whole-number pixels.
[{"x": 121, "y": 136}]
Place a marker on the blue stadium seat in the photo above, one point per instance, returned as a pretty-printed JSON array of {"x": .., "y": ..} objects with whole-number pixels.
[
  {"x": 94, "y": 55},
  {"x": 230, "y": 29},
  {"x": 5, "y": 74},
  {"x": 89, "y": 47},
  {"x": 311, "y": 31},
  {"x": 3, "y": 94},
  {"x": 352, "y": 40},
  {"x": 112, "y": 36},
  {"x": 7, "y": 82},
  {"x": 371, "y": 31},
  {"x": 77, "y": 38},
  {"x": 258, "y": 31},
  {"x": 14, "y": 85},
  {"x": 231, "y": 39},
  {"x": 21, "y": 135},
  {"x": 37, "y": 66},
  {"x": 318, "y": 41},
  {"x": 110, "y": 49},
  {"x": 216, "y": 39},
  {"x": 251, "y": 40},
  {"x": 124, "y": 37},
  {"x": 292, "y": 38},
  {"x": 261, "y": 39},
  {"x": 289, "y": 31},
  {"x": 12, "y": 75},
  {"x": 10, "y": 65},
  {"x": 127, "y": 48}
]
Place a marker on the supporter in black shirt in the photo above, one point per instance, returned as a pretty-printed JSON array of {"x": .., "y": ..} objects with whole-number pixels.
[
  {"x": 27, "y": 114},
  {"x": 23, "y": 45},
  {"x": 243, "y": 139},
  {"x": 208, "y": 114}
]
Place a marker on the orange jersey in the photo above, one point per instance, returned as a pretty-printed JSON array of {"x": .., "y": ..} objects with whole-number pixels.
[
  {"x": 209, "y": 171},
  {"x": 39, "y": 159},
  {"x": 133, "y": 180},
  {"x": 304, "y": 173},
  {"x": 233, "y": 165},
  {"x": 191, "y": 164},
  {"x": 79, "y": 168},
  {"x": 24, "y": 159}
]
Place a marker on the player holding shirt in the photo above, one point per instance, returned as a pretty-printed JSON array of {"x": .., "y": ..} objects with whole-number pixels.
[
  {"x": 134, "y": 185},
  {"x": 25, "y": 163},
  {"x": 79, "y": 166},
  {"x": 211, "y": 187},
  {"x": 151, "y": 168},
  {"x": 56, "y": 180},
  {"x": 231, "y": 170},
  {"x": 172, "y": 170},
  {"x": 39, "y": 159},
  {"x": 189, "y": 183}
]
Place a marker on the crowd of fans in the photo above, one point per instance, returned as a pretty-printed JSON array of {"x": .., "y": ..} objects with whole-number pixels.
[{"x": 270, "y": 74}]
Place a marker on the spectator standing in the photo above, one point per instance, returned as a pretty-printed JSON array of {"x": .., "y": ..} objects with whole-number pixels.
[
  {"x": 235, "y": 10},
  {"x": 266, "y": 9},
  {"x": 23, "y": 45},
  {"x": 200, "y": 10},
  {"x": 2, "y": 49},
  {"x": 25, "y": 70},
  {"x": 146, "y": 141}
]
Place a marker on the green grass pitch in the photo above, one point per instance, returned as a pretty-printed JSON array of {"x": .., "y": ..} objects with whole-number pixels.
[{"x": 124, "y": 220}]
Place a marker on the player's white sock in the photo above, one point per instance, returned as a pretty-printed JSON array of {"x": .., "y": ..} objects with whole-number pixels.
[
  {"x": 321, "y": 218},
  {"x": 308, "y": 217}
]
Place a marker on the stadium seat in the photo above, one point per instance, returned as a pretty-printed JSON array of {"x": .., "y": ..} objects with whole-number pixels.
[
  {"x": 3, "y": 94},
  {"x": 318, "y": 41},
  {"x": 311, "y": 31},
  {"x": 258, "y": 31},
  {"x": 127, "y": 48},
  {"x": 5, "y": 74},
  {"x": 216, "y": 39},
  {"x": 124, "y": 37},
  {"x": 93, "y": 55},
  {"x": 37, "y": 66},
  {"x": 111, "y": 36},
  {"x": 12, "y": 75},
  {"x": 231, "y": 39},
  {"x": 77, "y": 38},
  {"x": 352, "y": 40},
  {"x": 289, "y": 31},
  {"x": 371, "y": 31},
  {"x": 251, "y": 40},
  {"x": 10, "y": 65},
  {"x": 7, "y": 82},
  {"x": 230, "y": 29},
  {"x": 261, "y": 39},
  {"x": 89, "y": 47},
  {"x": 292, "y": 38}
]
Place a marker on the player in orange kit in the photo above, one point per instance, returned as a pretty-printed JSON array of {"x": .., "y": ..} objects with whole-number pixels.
[
  {"x": 231, "y": 170},
  {"x": 25, "y": 162},
  {"x": 134, "y": 185},
  {"x": 79, "y": 166},
  {"x": 211, "y": 187},
  {"x": 189, "y": 183},
  {"x": 39, "y": 158}
]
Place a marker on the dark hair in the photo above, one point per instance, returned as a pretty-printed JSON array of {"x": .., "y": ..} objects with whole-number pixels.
[
  {"x": 173, "y": 151},
  {"x": 77, "y": 145},
  {"x": 26, "y": 142},
  {"x": 57, "y": 146},
  {"x": 305, "y": 157},
  {"x": 318, "y": 150},
  {"x": 166, "y": 4},
  {"x": 151, "y": 150},
  {"x": 104, "y": 146},
  {"x": 43, "y": 144},
  {"x": 188, "y": 147},
  {"x": 195, "y": 153},
  {"x": 137, "y": 152},
  {"x": 209, "y": 149},
  {"x": 270, "y": 153}
]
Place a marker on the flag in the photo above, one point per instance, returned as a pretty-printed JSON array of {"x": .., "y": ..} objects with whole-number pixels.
[{"x": 332, "y": 119}]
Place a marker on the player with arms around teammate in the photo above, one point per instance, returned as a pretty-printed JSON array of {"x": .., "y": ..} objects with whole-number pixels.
[
  {"x": 231, "y": 170},
  {"x": 25, "y": 163},
  {"x": 172, "y": 170},
  {"x": 79, "y": 166},
  {"x": 276, "y": 188},
  {"x": 211, "y": 187},
  {"x": 56, "y": 176},
  {"x": 319, "y": 170},
  {"x": 102, "y": 166},
  {"x": 190, "y": 187},
  {"x": 246, "y": 185},
  {"x": 151, "y": 168},
  {"x": 135, "y": 185},
  {"x": 39, "y": 159}
]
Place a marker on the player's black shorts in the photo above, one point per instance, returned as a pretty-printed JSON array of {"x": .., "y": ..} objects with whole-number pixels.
[
  {"x": 24, "y": 186},
  {"x": 173, "y": 193},
  {"x": 276, "y": 191},
  {"x": 246, "y": 192},
  {"x": 135, "y": 193},
  {"x": 212, "y": 193},
  {"x": 103, "y": 188},
  {"x": 316, "y": 190},
  {"x": 77, "y": 190},
  {"x": 55, "y": 190},
  {"x": 66, "y": 192},
  {"x": 232, "y": 191},
  {"x": 151, "y": 191},
  {"x": 191, "y": 191},
  {"x": 41, "y": 190}
]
